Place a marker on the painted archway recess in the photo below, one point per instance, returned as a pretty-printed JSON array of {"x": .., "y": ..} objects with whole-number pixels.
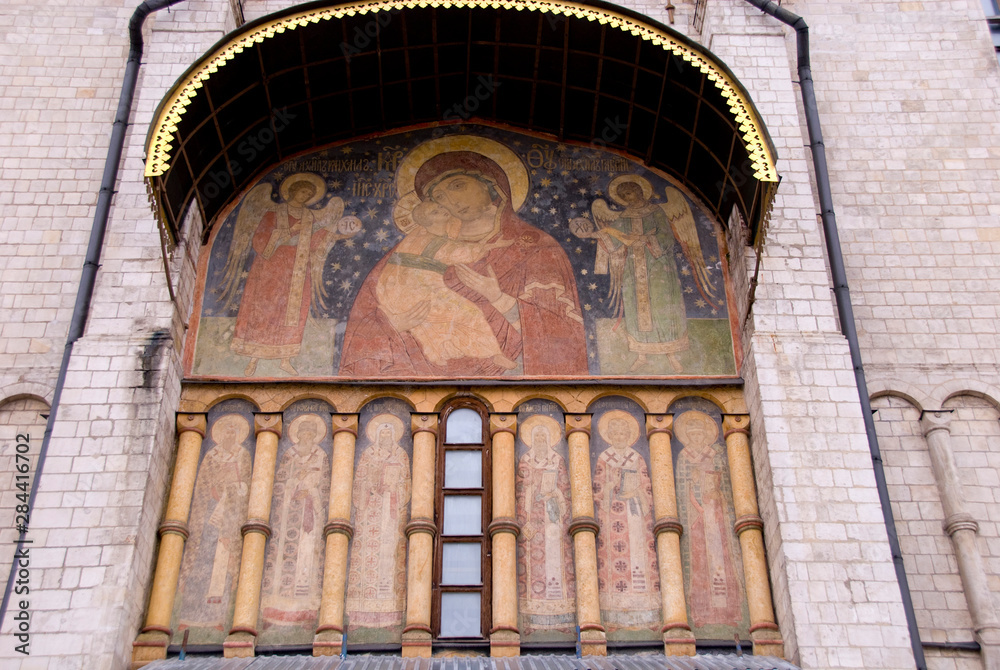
[{"x": 594, "y": 73}]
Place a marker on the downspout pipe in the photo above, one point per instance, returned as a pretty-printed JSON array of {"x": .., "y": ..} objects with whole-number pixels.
[
  {"x": 85, "y": 292},
  {"x": 843, "y": 299}
]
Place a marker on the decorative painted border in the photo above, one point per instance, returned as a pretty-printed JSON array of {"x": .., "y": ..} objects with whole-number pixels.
[{"x": 161, "y": 137}]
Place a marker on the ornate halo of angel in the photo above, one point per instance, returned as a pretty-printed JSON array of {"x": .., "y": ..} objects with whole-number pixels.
[{"x": 290, "y": 240}]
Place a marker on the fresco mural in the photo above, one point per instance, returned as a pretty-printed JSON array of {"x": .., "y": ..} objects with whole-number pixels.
[
  {"x": 293, "y": 565},
  {"x": 628, "y": 575},
  {"x": 546, "y": 582},
  {"x": 710, "y": 550},
  {"x": 376, "y": 583},
  {"x": 206, "y": 591},
  {"x": 462, "y": 251}
]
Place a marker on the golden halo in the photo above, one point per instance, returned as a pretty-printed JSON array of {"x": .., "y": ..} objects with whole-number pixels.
[
  {"x": 402, "y": 213},
  {"x": 371, "y": 430},
  {"x": 242, "y": 424},
  {"x": 313, "y": 179},
  {"x": 529, "y": 425},
  {"x": 605, "y": 422},
  {"x": 318, "y": 424},
  {"x": 517, "y": 174},
  {"x": 683, "y": 422},
  {"x": 647, "y": 188}
]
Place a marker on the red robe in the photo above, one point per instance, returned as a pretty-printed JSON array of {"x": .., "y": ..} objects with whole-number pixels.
[
  {"x": 262, "y": 327},
  {"x": 534, "y": 270}
]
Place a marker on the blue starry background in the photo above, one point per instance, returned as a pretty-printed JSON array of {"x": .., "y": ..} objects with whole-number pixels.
[{"x": 555, "y": 196}]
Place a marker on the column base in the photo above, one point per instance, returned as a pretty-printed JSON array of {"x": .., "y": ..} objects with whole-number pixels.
[
  {"x": 416, "y": 643},
  {"x": 149, "y": 647},
  {"x": 505, "y": 643},
  {"x": 767, "y": 640},
  {"x": 240, "y": 644},
  {"x": 594, "y": 642},
  {"x": 328, "y": 643},
  {"x": 678, "y": 641}
]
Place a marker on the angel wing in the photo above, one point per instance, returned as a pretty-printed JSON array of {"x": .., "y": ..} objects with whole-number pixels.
[
  {"x": 610, "y": 258},
  {"x": 255, "y": 205},
  {"x": 329, "y": 215},
  {"x": 686, "y": 232}
]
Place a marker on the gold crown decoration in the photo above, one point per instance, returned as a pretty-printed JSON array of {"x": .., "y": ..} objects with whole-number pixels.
[{"x": 162, "y": 135}]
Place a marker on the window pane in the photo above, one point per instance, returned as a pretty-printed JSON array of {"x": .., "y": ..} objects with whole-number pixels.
[
  {"x": 463, "y": 469},
  {"x": 461, "y": 563},
  {"x": 460, "y": 615},
  {"x": 990, "y": 7},
  {"x": 465, "y": 426},
  {"x": 463, "y": 515}
]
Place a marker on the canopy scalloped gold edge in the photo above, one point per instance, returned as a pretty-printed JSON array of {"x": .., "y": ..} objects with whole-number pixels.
[{"x": 177, "y": 100}]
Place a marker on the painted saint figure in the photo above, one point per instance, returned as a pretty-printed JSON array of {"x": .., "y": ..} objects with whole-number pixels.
[
  {"x": 623, "y": 496},
  {"x": 546, "y": 581},
  {"x": 290, "y": 242},
  {"x": 294, "y": 564},
  {"x": 636, "y": 248},
  {"x": 212, "y": 556},
  {"x": 715, "y": 594},
  {"x": 376, "y": 588},
  {"x": 523, "y": 286}
]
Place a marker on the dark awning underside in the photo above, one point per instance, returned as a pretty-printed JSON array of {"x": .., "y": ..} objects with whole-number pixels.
[{"x": 674, "y": 107}]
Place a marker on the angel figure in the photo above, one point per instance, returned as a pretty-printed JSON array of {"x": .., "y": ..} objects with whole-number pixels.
[
  {"x": 636, "y": 248},
  {"x": 290, "y": 241}
]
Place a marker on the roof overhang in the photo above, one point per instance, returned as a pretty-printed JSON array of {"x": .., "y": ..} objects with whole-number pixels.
[{"x": 585, "y": 73}]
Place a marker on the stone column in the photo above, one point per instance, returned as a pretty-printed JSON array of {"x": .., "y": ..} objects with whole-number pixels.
[
  {"x": 677, "y": 637},
  {"x": 962, "y": 529},
  {"x": 749, "y": 527},
  {"x": 151, "y": 644},
  {"x": 583, "y": 528},
  {"x": 505, "y": 638},
  {"x": 256, "y": 531},
  {"x": 338, "y": 531},
  {"x": 420, "y": 533}
]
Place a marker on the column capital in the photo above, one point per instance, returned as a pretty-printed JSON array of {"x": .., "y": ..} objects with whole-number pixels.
[
  {"x": 659, "y": 423},
  {"x": 345, "y": 423},
  {"x": 424, "y": 423},
  {"x": 266, "y": 423},
  {"x": 735, "y": 423},
  {"x": 503, "y": 423},
  {"x": 577, "y": 423},
  {"x": 935, "y": 420},
  {"x": 195, "y": 423}
]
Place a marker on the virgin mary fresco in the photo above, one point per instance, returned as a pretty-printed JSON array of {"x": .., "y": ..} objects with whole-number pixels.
[{"x": 472, "y": 290}]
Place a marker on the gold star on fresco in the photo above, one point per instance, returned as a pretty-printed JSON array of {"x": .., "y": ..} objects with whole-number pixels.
[
  {"x": 346, "y": 150},
  {"x": 582, "y": 191},
  {"x": 538, "y": 195},
  {"x": 367, "y": 245},
  {"x": 345, "y": 285},
  {"x": 685, "y": 272},
  {"x": 535, "y": 210},
  {"x": 587, "y": 307},
  {"x": 336, "y": 267},
  {"x": 371, "y": 213},
  {"x": 382, "y": 235},
  {"x": 328, "y": 282},
  {"x": 583, "y": 271},
  {"x": 552, "y": 210},
  {"x": 712, "y": 259},
  {"x": 335, "y": 184},
  {"x": 688, "y": 289},
  {"x": 357, "y": 274},
  {"x": 578, "y": 250},
  {"x": 546, "y": 182},
  {"x": 699, "y": 303},
  {"x": 592, "y": 287},
  {"x": 349, "y": 244},
  {"x": 357, "y": 258}
]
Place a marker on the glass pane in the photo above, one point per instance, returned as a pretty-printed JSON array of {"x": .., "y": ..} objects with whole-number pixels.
[
  {"x": 465, "y": 426},
  {"x": 460, "y": 615},
  {"x": 461, "y": 563},
  {"x": 463, "y": 469},
  {"x": 990, "y": 7},
  {"x": 463, "y": 515}
]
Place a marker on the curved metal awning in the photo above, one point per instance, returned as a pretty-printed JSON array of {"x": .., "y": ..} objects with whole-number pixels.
[{"x": 317, "y": 74}]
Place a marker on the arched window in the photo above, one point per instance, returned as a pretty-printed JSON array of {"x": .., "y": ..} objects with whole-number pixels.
[{"x": 462, "y": 559}]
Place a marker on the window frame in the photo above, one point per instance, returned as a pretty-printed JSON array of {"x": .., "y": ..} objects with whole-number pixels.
[{"x": 486, "y": 572}]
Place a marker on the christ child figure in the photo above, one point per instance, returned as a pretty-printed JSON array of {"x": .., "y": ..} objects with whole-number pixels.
[{"x": 454, "y": 327}]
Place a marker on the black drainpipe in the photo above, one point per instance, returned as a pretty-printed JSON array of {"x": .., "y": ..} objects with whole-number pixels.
[
  {"x": 843, "y": 298},
  {"x": 86, "y": 289}
]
